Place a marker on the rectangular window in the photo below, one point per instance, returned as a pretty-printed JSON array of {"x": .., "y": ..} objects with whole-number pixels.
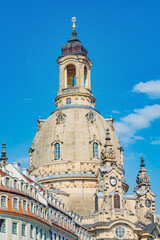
[
  {"x": 7, "y": 182},
  {"x": 37, "y": 231},
  {"x": 23, "y": 230},
  {"x": 50, "y": 235},
  {"x": 3, "y": 226},
  {"x": 14, "y": 228},
  {"x": 15, "y": 203},
  {"x": 45, "y": 236},
  {"x": 15, "y": 184},
  {"x": 57, "y": 151},
  {"x": 95, "y": 150},
  {"x": 55, "y": 236},
  {"x": 31, "y": 231},
  {"x": 24, "y": 205},
  {"x": 41, "y": 233},
  {"x": 32, "y": 208},
  {"x": 3, "y": 201}
]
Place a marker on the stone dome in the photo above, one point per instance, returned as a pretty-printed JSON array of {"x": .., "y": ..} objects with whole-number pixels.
[{"x": 76, "y": 133}]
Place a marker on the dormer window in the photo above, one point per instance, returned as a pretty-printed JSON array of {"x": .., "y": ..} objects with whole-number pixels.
[
  {"x": 7, "y": 182},
  {"x": 57, "y": 151},
  {"x": 91, "y": 117},
  {"x": 60, "y": 117},
  {"x": 24, "y": 205},
  {"x": 15, "y": 184},
  {"x": 68, "y": 101},
  {"x": 32, "y": 208},
  {"x": 3, "y": 201},
  {"x": 21, "y": 186},
  {"x": 15, "y": 203}
]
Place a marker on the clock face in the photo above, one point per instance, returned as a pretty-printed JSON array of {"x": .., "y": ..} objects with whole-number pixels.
[
  {"x": 113, "y": 181},
  {"x": 111, "y": 155},
  {"x": 148, "y": 203}
]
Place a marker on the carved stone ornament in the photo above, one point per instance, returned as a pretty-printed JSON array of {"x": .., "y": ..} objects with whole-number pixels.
[
  {"x": 60, "y": 117},
  {"x": 90, "y": 117},
  {"x": 143, "y": 179}
]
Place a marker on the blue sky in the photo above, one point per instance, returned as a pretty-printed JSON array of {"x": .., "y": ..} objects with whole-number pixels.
[{"x": 122, "y": 39}]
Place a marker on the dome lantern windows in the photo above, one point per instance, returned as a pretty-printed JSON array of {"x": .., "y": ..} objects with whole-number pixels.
[{"x": 71, "y": 75}]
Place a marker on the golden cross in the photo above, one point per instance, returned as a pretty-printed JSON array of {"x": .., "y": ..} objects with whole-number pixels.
[{"x": 74, "y": 25}]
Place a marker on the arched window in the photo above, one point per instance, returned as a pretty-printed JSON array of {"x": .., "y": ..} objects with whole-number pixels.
[
  {"x": 15, "y": 203},
  {"x": 3, "y": 201},
  {"x": 68, "y": 101},
  {"x": 57, "y": 151},
  {"x": 116, "y": 201},
  {"x": 85, "y": 76},
  {"x": 71, "y": 75},
  {"x": 95, "y": 150}
]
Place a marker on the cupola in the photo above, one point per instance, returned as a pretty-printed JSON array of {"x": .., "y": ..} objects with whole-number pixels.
[{"x": 74, "y": 74}]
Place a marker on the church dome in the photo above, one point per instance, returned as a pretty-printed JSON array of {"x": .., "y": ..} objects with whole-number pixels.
[{"x": 75, "y": 129}]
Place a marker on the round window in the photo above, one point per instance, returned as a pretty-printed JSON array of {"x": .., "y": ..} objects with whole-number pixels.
[{"x": 120, "y": 232}]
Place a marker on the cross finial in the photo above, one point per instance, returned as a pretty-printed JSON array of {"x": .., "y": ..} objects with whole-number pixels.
[
  {"x": 74, "y": 25},
  {"x": 142, "y": 162}
]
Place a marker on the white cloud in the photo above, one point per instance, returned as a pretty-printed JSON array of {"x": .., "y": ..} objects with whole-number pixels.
[
  {"x": 151, "y": 88},
  {"x": 115, "y": 111},
  {"x": 156, "y": 142},
  {"x": 129, "y": 125}
]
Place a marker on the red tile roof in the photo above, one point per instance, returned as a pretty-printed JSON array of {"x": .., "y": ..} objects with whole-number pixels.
[
  {"x": 29, "y": 180},
  {"x": 2, "y": 173}
]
